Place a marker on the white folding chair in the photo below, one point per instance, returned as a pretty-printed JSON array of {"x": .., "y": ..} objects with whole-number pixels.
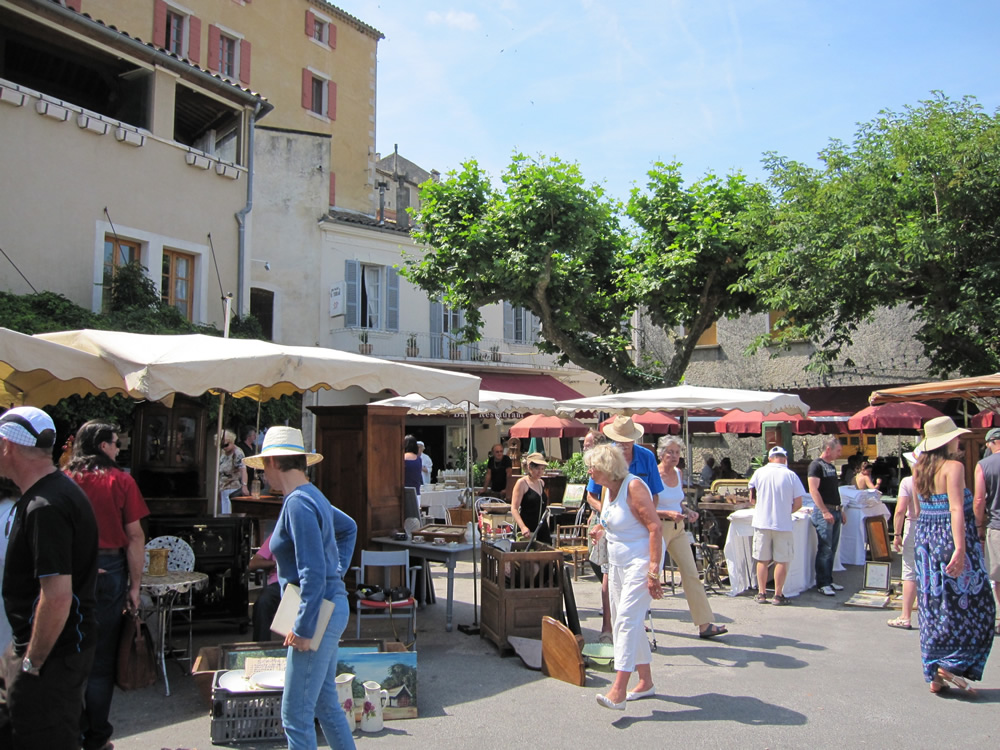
[{"x": 373, "y": 608}]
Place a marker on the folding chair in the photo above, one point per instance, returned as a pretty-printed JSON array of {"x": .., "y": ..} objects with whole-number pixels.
[{"x": 368, "y": 609}]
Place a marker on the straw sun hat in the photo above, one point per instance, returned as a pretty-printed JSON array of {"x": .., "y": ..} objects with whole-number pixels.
[
  {"x": 534, "y": 458},
  {"x": 282, "y": 441},
  {"x": 937, "y": 432},
  {"x": 623, "y": 430}
]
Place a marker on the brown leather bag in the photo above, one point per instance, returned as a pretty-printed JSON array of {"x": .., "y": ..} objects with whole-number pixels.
[{"x": 136, "y": 655}]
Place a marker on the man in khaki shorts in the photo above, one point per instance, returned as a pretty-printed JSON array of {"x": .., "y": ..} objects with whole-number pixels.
[
  {"x": 775, "y": 492},
  {"x": 987, "y": 508}
]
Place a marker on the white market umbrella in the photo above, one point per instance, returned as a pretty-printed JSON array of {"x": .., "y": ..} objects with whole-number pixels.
[{"x": 488, "y": 402}]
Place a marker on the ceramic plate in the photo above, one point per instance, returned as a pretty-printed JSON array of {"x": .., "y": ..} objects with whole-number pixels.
[
  {"x": 235, "y": 681},
  {"x": 272, "y": 680}
]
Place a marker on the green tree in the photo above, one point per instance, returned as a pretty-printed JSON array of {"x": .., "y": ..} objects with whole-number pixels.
[{"x": 906, "y": 214}]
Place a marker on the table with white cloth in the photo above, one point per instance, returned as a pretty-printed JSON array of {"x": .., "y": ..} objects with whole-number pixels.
[
  {"x": 739, "y": 554},
  {"x": 174, "y": 589},
  {"x": 435, "y": 501},
  {"x": 859, "y": 504}
]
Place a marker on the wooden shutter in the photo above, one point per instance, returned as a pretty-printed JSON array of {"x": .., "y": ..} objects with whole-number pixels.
[
  {"x": 352, "y": 278},
  {"x": 307, "y": 88},
  {"x": 333, "y": 188},
  {"x": 437, "y": 313},
  {"x": 331, "y": 100},
  {"x": 508, "y": 321},
  {"x": 214, "y": 39},
  {"x": 391, "y": 299},
  {"x": 332, "y": 33},
  {"x": 194, "y": 39},
  {"x": 310, "y": 24},
  {"x": 159, "y": 23},
  {"x": 244, "y": 61}
]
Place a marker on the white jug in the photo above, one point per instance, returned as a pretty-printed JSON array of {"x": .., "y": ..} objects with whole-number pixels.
[
  {"x": 345, "y": 695},
  {"x": 371, "y": 714}
]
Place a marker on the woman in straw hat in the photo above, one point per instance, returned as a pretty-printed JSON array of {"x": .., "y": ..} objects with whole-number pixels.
[
  {"x": 313, "y": 543},
  {"x": 527, "y": 504},
  {"x": 635, "y": 549},
  {"x": 956, "y": 604}
]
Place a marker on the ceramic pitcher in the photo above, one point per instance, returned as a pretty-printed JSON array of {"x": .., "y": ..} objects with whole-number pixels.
[
  {"x": 345, "y": 694},
  {"x": 375, "y": 700}
]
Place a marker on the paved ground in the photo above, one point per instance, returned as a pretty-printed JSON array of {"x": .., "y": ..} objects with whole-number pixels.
[{"x": 814, "y": 673}]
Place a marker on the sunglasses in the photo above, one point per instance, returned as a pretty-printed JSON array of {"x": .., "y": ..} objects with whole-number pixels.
[{"x": 226, "y": 445}]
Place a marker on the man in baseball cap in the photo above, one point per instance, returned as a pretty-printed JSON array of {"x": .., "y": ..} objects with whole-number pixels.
[{"x": 48, "y": 591}]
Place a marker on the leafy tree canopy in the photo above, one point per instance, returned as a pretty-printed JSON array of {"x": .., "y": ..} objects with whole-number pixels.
[{"x": 906, "y": 214}]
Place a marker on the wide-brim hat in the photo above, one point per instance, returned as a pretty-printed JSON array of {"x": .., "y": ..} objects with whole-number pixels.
[
  {"x": 534, "y": 458},
  {"x": 937, "y": 432},
  {"x": 911, "y": 457},
  {"x": 282, "y": 441},
  {"x": 623, "y": 430}
]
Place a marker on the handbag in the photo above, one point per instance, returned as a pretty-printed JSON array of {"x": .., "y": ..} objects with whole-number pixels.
[{"x": 136, "y": 655}]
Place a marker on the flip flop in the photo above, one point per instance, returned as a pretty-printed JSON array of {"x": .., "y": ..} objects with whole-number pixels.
[
  {"x": 955, "y": 681},
  {"x": 900, "y": 623},
  {"x": 712, "y": 631}
]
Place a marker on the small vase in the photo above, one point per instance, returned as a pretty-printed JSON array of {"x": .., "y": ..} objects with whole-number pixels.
[
  {"x": 375, "y": 700},
  {"x": 345, "y": 694}
]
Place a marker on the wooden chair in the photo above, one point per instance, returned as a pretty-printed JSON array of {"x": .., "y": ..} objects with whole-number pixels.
[
  {"x": 398, "y": 560},
  {"x": 572, "y": 541}
]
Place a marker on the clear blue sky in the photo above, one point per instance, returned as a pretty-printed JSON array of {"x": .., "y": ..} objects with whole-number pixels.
[{"x": 616, "y": 86}]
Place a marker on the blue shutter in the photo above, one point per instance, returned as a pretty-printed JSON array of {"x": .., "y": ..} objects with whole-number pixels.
[
  {"x": 508, "y": 321},
  {"x": 437, "y": 314},
  {"x": 391, "y": 299},
  {"x": 352, "y": 275}
]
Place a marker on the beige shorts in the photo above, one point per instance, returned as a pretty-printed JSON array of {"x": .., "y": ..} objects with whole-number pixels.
[
  {"x": 769, "y": 544},
  {"x": 909, "y": 563},
  {"x": 992, "y": 548}
]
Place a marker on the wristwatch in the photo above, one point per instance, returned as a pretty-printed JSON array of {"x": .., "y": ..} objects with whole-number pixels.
[{"x": 28, "y": 668}]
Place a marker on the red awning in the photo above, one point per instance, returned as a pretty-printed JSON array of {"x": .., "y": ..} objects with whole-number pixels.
[{"x": 530, "y": 385}]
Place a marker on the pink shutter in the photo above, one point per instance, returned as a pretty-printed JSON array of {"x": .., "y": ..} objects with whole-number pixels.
[
  {"x": 194, "y": 39},
  {"x": 244, "y": 61},
  {"x": 214, "y": 39},
  {"x": 310, "y": 24},
  {"x": 159, "y": 23},
  {"x": 333, "y": 189},
  {"x": 331, "y": 100},
  {"x": 307, "y": 89},
  {"x": 73, "y": 5},
  {"x": 332, "y": 41}
]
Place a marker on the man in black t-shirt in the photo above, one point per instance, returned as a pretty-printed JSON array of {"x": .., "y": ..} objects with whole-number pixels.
[
  {"x": 824, "y": 489},
  {"x": 48, "y": 589},
  {"x": 499, "y": 470}
]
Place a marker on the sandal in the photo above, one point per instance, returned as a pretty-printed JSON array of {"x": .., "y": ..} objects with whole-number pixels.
[
  {"x": 713, "y": 630},
  {"x": 761, "y": 598},
  {"x": 900, "y": 623},
  {"x": 937, "y": 686},
  {"x": 955, "y": 681},
  {"x": 779, "y": 600}
]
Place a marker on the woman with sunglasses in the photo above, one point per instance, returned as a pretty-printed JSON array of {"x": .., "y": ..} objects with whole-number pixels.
[
  {"x": 232, "y": 472},
  {"x": 528, "y": 502},
  {"x": 118, "y": 507}
]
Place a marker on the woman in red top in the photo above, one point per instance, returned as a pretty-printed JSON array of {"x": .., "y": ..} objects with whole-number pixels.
[{"x": 118, "y": 507}]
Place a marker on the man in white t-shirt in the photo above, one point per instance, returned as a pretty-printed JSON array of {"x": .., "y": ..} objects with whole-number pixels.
[
  {"x": 427, "y": 463},
  {"x": 776, "y": 492}
]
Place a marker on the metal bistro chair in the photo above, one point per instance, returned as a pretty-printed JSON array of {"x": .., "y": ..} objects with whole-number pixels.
[
  {"x": 181, "y": 557},
  {"x": 382, "y": 608}
]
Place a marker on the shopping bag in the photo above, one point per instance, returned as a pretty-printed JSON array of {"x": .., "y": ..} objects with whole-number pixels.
[{"x": 136, "y": 654}]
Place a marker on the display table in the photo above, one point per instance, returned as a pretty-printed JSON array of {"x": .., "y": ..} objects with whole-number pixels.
[
  {"x": 442, "y": 498},
  {"x": 860, "y": 504},
  {"x": 739, "y": 554},
  {"x": 166, "y": 591}
]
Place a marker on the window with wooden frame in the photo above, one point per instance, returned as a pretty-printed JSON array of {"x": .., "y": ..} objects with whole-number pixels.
[
  {"x": 177, "y": 281},
  {"x": 117, "y": 252},
  {"x": 228, "y": 56},
  {"x": 520, "y": 325},
  {"x": 176, "y": 31},
  {"x": 319, "y": 94},
  {"x": 321, "y": 29}
]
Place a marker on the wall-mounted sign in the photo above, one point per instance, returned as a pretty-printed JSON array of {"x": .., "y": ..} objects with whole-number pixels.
[{"x": 337, "y": 299}]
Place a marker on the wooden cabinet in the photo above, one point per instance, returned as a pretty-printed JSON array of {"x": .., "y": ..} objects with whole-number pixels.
[
  {"x": 362, "y": 468},
  {"x": 168, "y": 449}
]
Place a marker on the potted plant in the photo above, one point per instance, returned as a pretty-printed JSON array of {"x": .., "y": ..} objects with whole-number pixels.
[
  {"x": 411, "y": 346},
  {"x": 364, "y": 347},
  {"x": 495, "y": 353},
  {"x": 454, "y": 350}
]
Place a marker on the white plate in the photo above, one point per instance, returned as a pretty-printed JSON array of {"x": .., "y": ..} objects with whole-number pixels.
[
  {"x": 235, "y": 681},
  {"x": 273, "y": 680}
]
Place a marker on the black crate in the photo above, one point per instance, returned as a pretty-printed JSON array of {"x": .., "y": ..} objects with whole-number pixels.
[{"x": 245, "y": 717}]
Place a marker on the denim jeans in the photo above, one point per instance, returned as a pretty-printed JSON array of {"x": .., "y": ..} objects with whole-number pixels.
[
  {"x": 311, "y": 690},
  {"x": 828, "y": 537},
  {"x": 112, "y": 587}
]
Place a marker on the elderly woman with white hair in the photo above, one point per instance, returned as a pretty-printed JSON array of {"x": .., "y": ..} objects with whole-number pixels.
[
  {"x": 670, "y": 508},
  {"x": 232, "y": 472},
  {"x": 635, "y": 552}
]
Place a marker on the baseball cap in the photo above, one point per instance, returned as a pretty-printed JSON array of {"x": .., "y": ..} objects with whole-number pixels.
[
  {"x": 777, "y": 451},
  {"x": 993, "y": 434},
  {"x": 28, "y": 426},
  {"x": 421, "y": 443}
]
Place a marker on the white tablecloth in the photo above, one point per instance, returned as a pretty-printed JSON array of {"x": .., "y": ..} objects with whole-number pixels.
[
  {"x": 860, "y": 504},
  {"x": 443, "y": 498},
  {"x": 739, "y": 554}
]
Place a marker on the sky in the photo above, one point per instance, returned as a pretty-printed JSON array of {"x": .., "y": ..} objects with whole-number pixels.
[{"x": 617, "y": 86}]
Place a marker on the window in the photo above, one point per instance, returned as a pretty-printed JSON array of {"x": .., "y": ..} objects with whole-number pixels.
[
  {"x": 262, "y": 308},
  {"x": 117, "y": 252},
  {"x": 520, "y": 325},
  {"x": 177, "y": 281},
  {"x": 710, "y": 337},
  {"x": 228, "y": 53},
  {"x": 228, "y": 48},
  {"x": 319, "y": 94},
  {"x": 320, "y": 29},
  {"x": 372, "y": 296},
  {"x": 175, "y": 33}
]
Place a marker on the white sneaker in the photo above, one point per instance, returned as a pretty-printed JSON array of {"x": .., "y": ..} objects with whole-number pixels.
[
  {"x": 827, "y": 591},
  {"x": 837, "y": 587}
]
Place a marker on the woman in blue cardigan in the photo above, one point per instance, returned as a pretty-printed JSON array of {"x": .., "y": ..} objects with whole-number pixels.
[{"x": 312, "y": 543}]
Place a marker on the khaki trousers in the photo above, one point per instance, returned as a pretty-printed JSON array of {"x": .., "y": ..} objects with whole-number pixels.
[{"x": 679, "y": 549}]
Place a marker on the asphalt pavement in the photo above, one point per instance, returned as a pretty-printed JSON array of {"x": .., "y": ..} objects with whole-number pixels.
[{"x": 815, "y": 673}]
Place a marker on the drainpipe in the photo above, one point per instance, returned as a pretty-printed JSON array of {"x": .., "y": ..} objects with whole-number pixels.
[{"x": 241, "y": 217}]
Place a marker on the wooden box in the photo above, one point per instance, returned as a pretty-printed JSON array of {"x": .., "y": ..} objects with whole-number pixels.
[
  {"x": 518, "y": 589},
  {"x": 440, "y": 531}
]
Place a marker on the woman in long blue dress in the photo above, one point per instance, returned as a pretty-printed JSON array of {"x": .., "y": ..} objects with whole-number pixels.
[{"x": 956, "y": 602}]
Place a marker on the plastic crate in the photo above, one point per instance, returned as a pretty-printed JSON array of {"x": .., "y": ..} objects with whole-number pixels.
[{"x": 245, "y": 717}]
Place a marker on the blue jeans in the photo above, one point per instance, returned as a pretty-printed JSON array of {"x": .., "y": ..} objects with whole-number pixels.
[
  {"x": 112, "y": 588},
  {"x": 828, "y": 537},
  {"x": 311, "y": 690}
]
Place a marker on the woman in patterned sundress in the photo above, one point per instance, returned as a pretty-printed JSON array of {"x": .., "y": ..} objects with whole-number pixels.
[{"x": 956, "y": 603}]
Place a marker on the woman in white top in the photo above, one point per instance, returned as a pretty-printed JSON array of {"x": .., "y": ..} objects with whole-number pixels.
[
  {"x": 635, "y": 549},
  {"x": 673, "y": 514}
]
